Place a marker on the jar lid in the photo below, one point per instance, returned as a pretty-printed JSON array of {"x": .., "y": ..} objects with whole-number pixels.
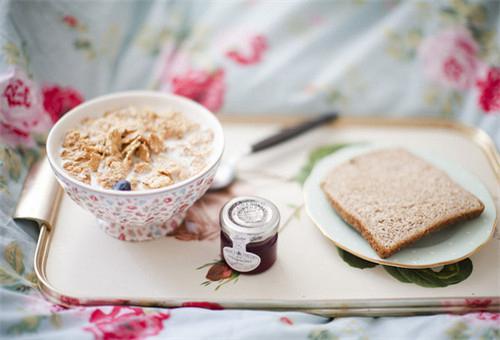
[{"x": 250, "y": 215}]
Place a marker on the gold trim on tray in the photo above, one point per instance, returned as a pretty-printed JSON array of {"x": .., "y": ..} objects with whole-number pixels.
[
  {"x": 373, "y": 307},
  {"x": 480, "y": 137},
  {"x": 41, "y": 195},
  {"x": 332, "y": 308}
]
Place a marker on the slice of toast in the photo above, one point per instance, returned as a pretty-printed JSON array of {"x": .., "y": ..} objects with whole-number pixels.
[{"x": 394, "y": 198}]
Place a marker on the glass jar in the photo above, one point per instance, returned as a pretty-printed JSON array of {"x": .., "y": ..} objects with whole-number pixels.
[{"x": 249, "y": 234}]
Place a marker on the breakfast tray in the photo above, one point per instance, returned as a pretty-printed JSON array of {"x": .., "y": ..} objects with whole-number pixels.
[{"x": 78, "y": 264}]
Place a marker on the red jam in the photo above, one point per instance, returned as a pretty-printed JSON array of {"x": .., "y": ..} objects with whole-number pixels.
[
  {"x": 266, "y": 249},
  {"x": 249, "y": 234}
]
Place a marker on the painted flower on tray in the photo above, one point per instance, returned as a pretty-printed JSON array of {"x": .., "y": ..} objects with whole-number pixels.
[
  {"x": 125, "y": 323},
  {"x": 21, "y": 110},
  {"x": 219, "y": 271},
  {"x": 252, "y": 54},
  {"x": 450, "y": 58},
  {"x": 202, "y": 220},
  {"x": 204, "y": 87},
  {"x": 489, "y": 91},
  {"x": 58, "y": 100}
]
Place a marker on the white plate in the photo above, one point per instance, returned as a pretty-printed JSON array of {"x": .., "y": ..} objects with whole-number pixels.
[{"x": 445, "y": 246}]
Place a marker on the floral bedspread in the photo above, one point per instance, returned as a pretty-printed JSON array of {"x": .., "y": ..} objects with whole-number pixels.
[{"x": 405, "y": 58}]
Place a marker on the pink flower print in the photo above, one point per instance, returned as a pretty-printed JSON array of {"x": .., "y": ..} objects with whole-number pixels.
[
  {"x": 69, "y": 301},
  {"x": 125, "y": 323},
  {"x": 70, "y": 20},
  {"x": 180, "y": 76},
  {"x": 21, "y": 111},
  {"x": 183, "y": 207},
  {"x": 203, "y": 304},
  {"x": 17, "y": 93},
  {"x": 478, "y": 303},
  {"x": 257, "y": 46},
  {"x": 489, "y": 91},
  {"x": 206, "y": 88},
  {"x": 59, "y": 100},
  {"x": 14, "y": 136},
  {"x": 286, "y": 320},
  {"x": 485, "y": 316},
  {"x": 449, "y": 58},
  {"x": 57, "y": 308}
]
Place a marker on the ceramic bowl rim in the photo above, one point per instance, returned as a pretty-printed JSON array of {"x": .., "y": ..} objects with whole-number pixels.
[{"x": 207, "y": 115}]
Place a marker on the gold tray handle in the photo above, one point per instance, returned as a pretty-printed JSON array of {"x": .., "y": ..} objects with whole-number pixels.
[{"x": 40, "y": 197}]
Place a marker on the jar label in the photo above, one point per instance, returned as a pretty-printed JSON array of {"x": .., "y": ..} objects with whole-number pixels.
[{"x": 238, "y": 258}]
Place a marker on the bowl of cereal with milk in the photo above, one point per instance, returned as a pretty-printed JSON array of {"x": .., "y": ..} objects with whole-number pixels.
[{"x": 137, "y": 160}]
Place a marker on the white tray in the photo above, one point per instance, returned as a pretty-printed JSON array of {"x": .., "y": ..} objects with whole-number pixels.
[{"x": 77, "y": 263}]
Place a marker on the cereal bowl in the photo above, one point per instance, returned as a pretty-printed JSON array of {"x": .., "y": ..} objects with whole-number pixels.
[{"x": 144, "y": 214}]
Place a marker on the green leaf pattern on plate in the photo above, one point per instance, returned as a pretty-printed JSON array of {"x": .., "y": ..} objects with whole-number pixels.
[
  {"x": 355, "y": 261},
  {"x": 316, "y": 155},
  {"x": 450, "y": 274}
]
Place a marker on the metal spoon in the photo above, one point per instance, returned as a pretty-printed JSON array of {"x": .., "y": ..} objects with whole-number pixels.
[{"x": 226, "y": 174}]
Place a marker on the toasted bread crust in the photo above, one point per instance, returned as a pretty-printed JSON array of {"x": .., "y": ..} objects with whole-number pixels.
[
  {"x": 394, "y": 198},
  {"x": 385, "y": 252}
]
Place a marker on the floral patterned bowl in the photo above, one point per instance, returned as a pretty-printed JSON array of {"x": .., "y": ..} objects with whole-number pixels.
[{"x": 137, "y": 215}]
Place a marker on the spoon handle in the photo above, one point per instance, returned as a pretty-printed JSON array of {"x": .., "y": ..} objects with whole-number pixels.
[{"x": 292, "y": 132}]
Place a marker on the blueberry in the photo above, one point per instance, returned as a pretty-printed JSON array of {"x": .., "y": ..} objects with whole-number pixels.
[{"x": 123, "y": 185}]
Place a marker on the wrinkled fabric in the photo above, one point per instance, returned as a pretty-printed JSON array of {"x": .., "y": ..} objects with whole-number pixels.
[{"x": 382, "y": 58}]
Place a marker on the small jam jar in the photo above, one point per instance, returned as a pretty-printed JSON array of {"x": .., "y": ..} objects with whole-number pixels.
[{"x": 249, "y": 234}]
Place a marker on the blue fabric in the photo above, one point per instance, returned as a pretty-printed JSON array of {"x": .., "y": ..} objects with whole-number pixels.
[{"x": 396, "y": 58}]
